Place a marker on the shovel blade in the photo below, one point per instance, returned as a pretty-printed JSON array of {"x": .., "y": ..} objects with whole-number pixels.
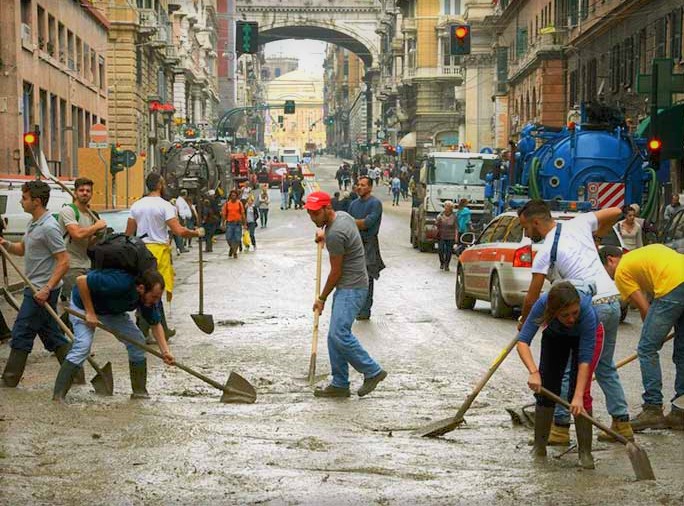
[
  {"x": 640, "y": 462},
  {"x": 679, "y": 402},
  {"x": 439, "y": 428},
  {"x": 103, "y": 382},
  {"x": 204, "y": 322},
  {"x": 238, "y": 390}
]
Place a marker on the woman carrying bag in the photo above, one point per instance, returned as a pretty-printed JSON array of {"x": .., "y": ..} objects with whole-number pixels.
[{"x": 572, "y": 330}]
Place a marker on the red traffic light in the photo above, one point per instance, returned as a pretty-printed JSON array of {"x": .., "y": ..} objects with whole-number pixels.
[
  {"x": 461, "y": 32},
  {"x": 655, "y": 144},
  {"x": 30, "y": 138}
]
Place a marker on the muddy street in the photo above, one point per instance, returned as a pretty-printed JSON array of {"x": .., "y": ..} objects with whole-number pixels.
[{"x": 182, "y": 446}]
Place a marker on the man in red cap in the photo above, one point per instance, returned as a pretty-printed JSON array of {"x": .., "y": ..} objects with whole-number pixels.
[{"x": 349, "y": 279}]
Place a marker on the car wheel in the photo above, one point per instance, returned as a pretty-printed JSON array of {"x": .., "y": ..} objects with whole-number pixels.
[
  {"x": 463, "y": 301},
  {"x": 499, "y": 307}
]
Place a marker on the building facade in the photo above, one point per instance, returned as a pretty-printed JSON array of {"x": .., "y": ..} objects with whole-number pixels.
[
  {"x": 54, "y": 75},
  {"x": 275, "y": 66}
]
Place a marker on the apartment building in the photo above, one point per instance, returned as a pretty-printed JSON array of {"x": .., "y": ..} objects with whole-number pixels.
[{"x": 53, "y": 73}]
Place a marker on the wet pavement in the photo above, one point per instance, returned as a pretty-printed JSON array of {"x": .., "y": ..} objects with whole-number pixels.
[{"x": 183, "y": 446}]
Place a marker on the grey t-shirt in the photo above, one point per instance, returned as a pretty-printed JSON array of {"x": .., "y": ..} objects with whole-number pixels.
[
  {"x": 77, "y": 248},
  {"x": 342, "y": 238},
  {"x": 43, "y": 239}
]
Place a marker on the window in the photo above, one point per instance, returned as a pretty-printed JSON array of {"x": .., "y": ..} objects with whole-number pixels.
[
  {"x": 615, "y": 68},
  {"x": 488, "y": 232},
  {"x": 584, "y": 9},
  {"x": 61, "y": 41},
  {"x": 52, "y": 36},
  {"x": 515, "y": 231},
  {"x": 70, "y": 51},
  {"x": 628, "y": 58},
  {"x": 676, "y": 34},
  {"x": 101, "y": 67},
  {"x": 642, "y": 51},
  {"x": 521, "y": 42},
  {"x": 592, "y": 68},
  {"x": 501, "y": 229},
  {"x": 501, "y": 68},
  {"x": 277, "y": 72},
  {"x": 573, "y": 96},
  {"x": 451, "y": 7},
  {"x": 573, "y": 9},
  {"x": 42, "y": 35}
]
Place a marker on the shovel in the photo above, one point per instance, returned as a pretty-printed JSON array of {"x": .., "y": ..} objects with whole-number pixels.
[
  {"x": 441, "y": 427},
  {"x": 236, "y": 390},
  {"x": 9, "y": 297},
  {"x": 679, "y": 402},
  {"x": 103, "y": 382},
  {"x": 204, "y": 322},
  {"x": 314, "y": 340},
  {"x": 637, "y": 456}
]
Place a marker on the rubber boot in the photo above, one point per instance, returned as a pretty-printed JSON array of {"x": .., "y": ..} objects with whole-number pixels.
[
  {"x": 14, "y": 368},
  {"x": 543, "y": 418},
  {"x": 583, "y": 428},
  {"x": 139, "y": 380},
  {"x": 65, "y": 377},
  {"x": 61, "y": 354},
  {"x": 5, "y": 332}
]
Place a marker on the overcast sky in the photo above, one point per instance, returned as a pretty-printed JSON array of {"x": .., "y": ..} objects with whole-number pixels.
[{"x": 310, "y": 53}]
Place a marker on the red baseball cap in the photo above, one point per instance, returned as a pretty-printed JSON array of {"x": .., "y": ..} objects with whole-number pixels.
[{"x": 317, "y": 200}]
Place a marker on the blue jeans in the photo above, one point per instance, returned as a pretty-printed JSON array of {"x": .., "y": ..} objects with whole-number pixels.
[
  {"x": 446, "y": 249},
  {"x": 251, "y": 226},
  {"x": 33, "y": 320},
  {"x": 233, "y": 233},
  {"x": 83, "y": 335},
  {"x": 665, "y": 312},
  {"x": 606, "y": 372},
  {"x": 263, "y": 217},
  {"x": 395, "y": 197},
  {"x": 343, "y": 346},
  {"x": 283, "y": 200}
]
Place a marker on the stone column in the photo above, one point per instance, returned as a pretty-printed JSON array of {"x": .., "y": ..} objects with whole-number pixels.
[{"x": 179, "y": 93}]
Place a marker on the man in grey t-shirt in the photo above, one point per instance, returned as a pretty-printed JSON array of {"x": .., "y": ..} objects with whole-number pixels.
[
  {"x": 349, "y": 279},
  {"x": 46, "y": 262}
]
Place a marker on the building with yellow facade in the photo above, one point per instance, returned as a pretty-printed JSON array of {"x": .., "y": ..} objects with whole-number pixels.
[{"x": 307, "y": 124}]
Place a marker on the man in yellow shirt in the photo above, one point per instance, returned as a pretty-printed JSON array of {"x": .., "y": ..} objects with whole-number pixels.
[{"x": 658, "y": 271}]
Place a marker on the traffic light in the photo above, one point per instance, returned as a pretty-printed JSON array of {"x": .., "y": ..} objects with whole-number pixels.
[
  {"x": 246, "y": 37},
  {"x": 116, "y": 160},
  {"x": 289, "y": 107},
  {"x": 460, "y": 39},
  {"x": 655, "y": 146},
  {"x": 330, "y": 120},
  {"x": 31, "y": 147},
  {"x": 190, "y": 133}
]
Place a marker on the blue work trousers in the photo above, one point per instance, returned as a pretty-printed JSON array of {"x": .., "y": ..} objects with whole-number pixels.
[{"x": 32, "y": 320}]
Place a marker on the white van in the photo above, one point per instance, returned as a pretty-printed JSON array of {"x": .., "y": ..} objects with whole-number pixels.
[{"x": 16, "y": 220}]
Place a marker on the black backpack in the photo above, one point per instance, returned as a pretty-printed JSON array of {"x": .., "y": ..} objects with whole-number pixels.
[{"x": 119, "y": 251}]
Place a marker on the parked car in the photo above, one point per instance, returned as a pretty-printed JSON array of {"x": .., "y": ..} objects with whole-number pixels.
[
  {"x": 16, "y": 220},
  {"x": 276, "y": 171},
  {"x": 497, "y": 266}
]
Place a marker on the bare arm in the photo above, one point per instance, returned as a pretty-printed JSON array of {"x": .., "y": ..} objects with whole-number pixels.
[
  {"x": 13, "y": 248},
  {"x": 606, "y": 219},
  {"x": 158, "y": 333},
  {"x": 77, "y": 232},
  {"x": 87, "y": 299},
  {"x": 534, "y": 379},
  {"x": 180, "y": 230},
  {"x": 533, "y": 292},
  {"x": 641, "y": 302},
  {"x": 131, "y": 227}
]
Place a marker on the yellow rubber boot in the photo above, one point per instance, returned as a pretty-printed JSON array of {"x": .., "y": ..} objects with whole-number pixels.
[{"x": 622, "y": 428}]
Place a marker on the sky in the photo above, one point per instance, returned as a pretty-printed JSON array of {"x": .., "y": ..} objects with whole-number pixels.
[{"x": 310, "y": 53}]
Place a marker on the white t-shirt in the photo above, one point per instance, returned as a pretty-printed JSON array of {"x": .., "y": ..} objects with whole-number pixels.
[
  {"x": 577, "y": 259},
  {"x": 184, "y": 210},
  {"x": 151, "y": 215}
]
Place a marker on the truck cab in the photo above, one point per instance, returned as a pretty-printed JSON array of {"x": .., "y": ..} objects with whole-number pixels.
[{"x": 450, "y": 176}]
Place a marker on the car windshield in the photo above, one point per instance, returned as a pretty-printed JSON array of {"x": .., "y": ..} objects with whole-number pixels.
[
  {"x": 290, "y": 159},
  {"x": 464, "y": 171}
]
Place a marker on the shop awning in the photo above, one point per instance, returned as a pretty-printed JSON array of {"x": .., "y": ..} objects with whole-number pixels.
[{"x": 408, "y": 141}]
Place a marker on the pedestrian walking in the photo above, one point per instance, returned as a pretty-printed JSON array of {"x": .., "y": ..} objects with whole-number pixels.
[
  {"x": 184, "y": 218},
  {"x": 211, "y": 218},
  {"x": 672, "y": 208},
  {"x": 464, "y": 217},
  {"x": 233, "y": 214},
  {"x": 404, "y": 181},
  {"x": 264, "y": 202},
  {"x": 367, "y": 211},
  {"x": 570, "y": 335},
  {"x": 192, "y": 222},
  {"x": 245, "y": 193},
  {"x": 284, "y": 192},
  {"x": 446, "y": 224},
  {"x": 297, "y": 192},
  {"x": 349, "y": 279},
  {"x": 78, "y": 229},
  {"x": 107, "y": 295},
  {"x": 658, "y": 270},
  {"x": 251, "y": 219},
  {"x": 569, "y": 252},
  {"x": 395, "y": 187},
  {"x": 151, "y": 219},
  {"x": 630, "y": 230},
  {"x": 46, "y": 261}
]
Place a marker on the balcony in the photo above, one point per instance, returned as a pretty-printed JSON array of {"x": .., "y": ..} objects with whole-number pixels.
[
  {"x": 171, "y": 57},
  {"x": 409, "y": 26},
  {"x": 546, "y": 46},
  {"x": 444, "y": 73},
  {"x": 148, "y": 21}
]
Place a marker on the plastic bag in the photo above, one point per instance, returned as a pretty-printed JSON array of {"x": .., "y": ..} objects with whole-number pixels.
[{"x": 246, "y": 241}]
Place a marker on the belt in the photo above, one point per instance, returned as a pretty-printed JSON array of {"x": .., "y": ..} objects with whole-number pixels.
[{"x": 605, "y": 300}]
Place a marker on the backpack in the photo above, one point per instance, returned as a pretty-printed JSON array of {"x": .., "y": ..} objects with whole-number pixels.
[
  {"x": 119, "y": 251},
  {"x": 77, "y": 215}
]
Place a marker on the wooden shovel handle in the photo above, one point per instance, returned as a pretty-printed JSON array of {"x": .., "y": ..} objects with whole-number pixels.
[
  {"x": 47, "y": 306},
  {"x": 598, "y": 424}
]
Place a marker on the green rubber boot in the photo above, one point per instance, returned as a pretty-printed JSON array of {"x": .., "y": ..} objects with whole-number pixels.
[
  {"x": 543, "y": 418},
  {"x": 138, "y": 372},
  {"x": 14, "y": 368},
  {"x": 65, "y": 377},
  {"x": 583, "y": 428},
  {"x": 61, "y": 354}
]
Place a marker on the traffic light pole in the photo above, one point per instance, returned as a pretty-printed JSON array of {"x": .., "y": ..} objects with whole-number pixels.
[
  {"x": 106, "y": 177},
  {"x": 228, "y": 115}
]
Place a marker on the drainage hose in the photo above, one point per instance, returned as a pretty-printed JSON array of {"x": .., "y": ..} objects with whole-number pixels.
[
  {"x": 652, "y": 194},
  {"x": 533, "y": 183}
]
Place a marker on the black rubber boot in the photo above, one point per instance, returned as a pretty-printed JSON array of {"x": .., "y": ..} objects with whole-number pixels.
[
  {"x": 65, "y": 377},
  {"x": 14, "y": 368},
  {"x": 5, "y": 331},
  {"x": 583, "y": 429},
  {"x": 139, "y": 380},
  {"x": 543, "y": 418},
  {"x": 61, "y": 354}
]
